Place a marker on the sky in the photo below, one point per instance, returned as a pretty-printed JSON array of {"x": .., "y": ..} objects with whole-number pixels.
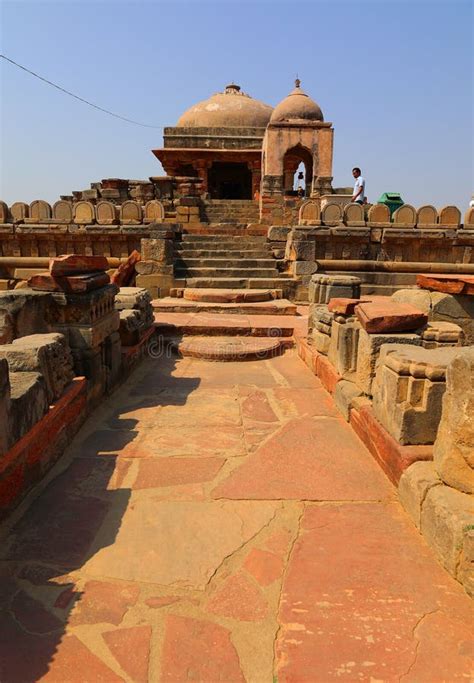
[{"x": 394, "y": 78}]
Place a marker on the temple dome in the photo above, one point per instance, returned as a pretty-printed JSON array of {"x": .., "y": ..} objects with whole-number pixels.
[
  {"x": 297, "y": 106},
  {"x": 229, "y": 109}
]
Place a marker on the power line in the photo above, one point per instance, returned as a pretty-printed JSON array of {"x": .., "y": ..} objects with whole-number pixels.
[{"x": 81, "y": 99}]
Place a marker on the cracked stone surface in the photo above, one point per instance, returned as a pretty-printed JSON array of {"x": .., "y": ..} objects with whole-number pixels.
[{"x": 221, "y": 522}]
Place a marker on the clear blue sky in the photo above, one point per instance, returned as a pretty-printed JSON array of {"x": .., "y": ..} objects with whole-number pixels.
[{"x": 395, "y": 78}]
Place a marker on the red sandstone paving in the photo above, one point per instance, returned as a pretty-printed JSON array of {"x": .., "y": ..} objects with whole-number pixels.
[
  {"x": 88, "y": 564},
  {"x": 175, "y": 471},
  {"x": 257, "y": 407},
  {"x": 200, "y": 440},
  {"x": 104, "y": 602},
  {"x": 303, "y": 401},
  {"x": 200, "y": 651},
  {"x": 238, "y": 598},
  {"x": 265, "y": 566},
  {"x": 308, "y": 459},
  {"x": 358, "y": 600},
  {"x": 32, "y": 615},
  {"x": 131, "y": 648}
]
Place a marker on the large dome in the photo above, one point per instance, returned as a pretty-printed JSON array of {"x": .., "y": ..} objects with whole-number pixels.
[
  {"x": 229, "y": 109},
  {"x": 296, "y": 107}
]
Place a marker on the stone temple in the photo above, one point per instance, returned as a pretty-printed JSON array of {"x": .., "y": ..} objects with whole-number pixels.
[
  {"x": 238, "y": 147},
  {"x": 236, "y": 419}
]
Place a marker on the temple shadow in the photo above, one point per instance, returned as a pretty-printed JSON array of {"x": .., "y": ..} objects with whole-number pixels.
[{"x": 78, "y": 513}]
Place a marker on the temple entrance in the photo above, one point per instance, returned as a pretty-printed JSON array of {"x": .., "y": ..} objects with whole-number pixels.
[
  {"x": 230, "y": 181},
  {"x": 298, "y": 171}
]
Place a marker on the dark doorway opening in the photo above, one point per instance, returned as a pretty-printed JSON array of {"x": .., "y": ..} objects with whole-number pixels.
[{"x": 230, "y": 181}]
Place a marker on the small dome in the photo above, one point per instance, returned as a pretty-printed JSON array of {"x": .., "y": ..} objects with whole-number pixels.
[
  {"x": 229, "y": 109},
  {"x": 297, "y": 106}
]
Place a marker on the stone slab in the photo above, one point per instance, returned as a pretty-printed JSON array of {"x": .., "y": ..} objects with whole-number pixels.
[
  {"x": 305, "y": 459},
  {"x": 378, "y": 317},
  {"x": 74, "y": 264},
  {"x": 84, "y": 282},
  {"x": 228, "y": 295},
  {"x": 450, "y": 284},
  {"x": 351, "y": 572}
]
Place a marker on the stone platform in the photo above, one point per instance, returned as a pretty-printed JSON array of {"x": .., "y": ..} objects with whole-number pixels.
[
  {"x": 174, "y": 305},
  {"x": 223, "y": 523},
  {"x": 173, "y": 324},
  {"x": 228, "y": 348}
]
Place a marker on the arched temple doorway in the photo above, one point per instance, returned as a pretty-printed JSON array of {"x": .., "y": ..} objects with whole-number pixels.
[{"x": 297, "y": 159}]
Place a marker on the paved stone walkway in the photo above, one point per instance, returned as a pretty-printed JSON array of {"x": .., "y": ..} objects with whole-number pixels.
[{"x": 221, "y": 522}]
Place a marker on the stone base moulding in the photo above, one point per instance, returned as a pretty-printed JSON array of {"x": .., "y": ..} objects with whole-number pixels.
[
  {"x": 25, "y": 464},
  {"x": 390, "y": 455}
]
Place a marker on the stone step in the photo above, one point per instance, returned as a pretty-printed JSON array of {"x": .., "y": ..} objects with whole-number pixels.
[
  {"x": 226, "y": 272},
  {"x": 287, "y": 284},
  {"x": 237, "y": 263},
  {"x": 222, "y": 253},
  {"x": 229, "y": 296},
  {"x": 227, "y": 348},
  {"x": 203, "y": 323},
  {"x": 232, "y": 239},
  {"x": 222, "y": 246},
  {"x": 267, "y": 308}
]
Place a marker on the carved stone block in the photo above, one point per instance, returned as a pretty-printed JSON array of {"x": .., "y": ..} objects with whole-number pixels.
[
  {"x": 343, "y": 346},
  {"x": 29, "y": 402},
  {"x": 47, "y": 354},
  {"x": 368, "y": 350},
  {"x": 408, "y": 391},
  {"x": 320, "y": 322},
  {"x": 323, "y": 288},
  {"x": 160, "y": 250},
  {"x": 454, "y": 447},
  {"x": 438, "y": 334}
]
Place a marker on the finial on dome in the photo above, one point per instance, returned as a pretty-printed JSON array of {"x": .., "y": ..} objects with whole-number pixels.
[
  {"x": 297, "y": 82},
  {"x": 232, "y": 88}
]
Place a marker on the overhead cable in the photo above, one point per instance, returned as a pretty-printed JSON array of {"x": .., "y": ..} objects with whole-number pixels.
[{"x": 81, "y": 99}]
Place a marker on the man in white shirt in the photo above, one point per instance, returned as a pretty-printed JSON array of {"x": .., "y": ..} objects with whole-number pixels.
[{"x": 359, "y": 187}]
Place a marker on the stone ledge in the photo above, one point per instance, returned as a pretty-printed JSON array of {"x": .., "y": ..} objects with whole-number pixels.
[
  {"x": 390, "y": 455},
  {"x": 35, "y": 453}
]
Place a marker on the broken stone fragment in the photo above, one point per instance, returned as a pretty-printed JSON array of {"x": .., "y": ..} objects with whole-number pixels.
[
  {"x": 450, "y": 284},
  {"x": 74, "y": 264},
  {"x": 388, "y": 316},
  {"x": 84, "y": 282}
]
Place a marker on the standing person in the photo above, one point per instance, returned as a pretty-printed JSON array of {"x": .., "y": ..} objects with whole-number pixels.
[{"x": 359, "y": 187}]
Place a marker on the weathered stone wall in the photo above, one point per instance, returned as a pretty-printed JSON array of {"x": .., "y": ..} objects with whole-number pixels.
[
  {"x": 60, "y": 353},
  {"x": 438, "y": 495}
]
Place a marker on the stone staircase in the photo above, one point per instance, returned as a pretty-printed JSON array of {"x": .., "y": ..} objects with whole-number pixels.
[
  {"x": 231, "y": 211},
  {"x": 230, "y": 262},
  {"x": 195, "y": 323}
]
